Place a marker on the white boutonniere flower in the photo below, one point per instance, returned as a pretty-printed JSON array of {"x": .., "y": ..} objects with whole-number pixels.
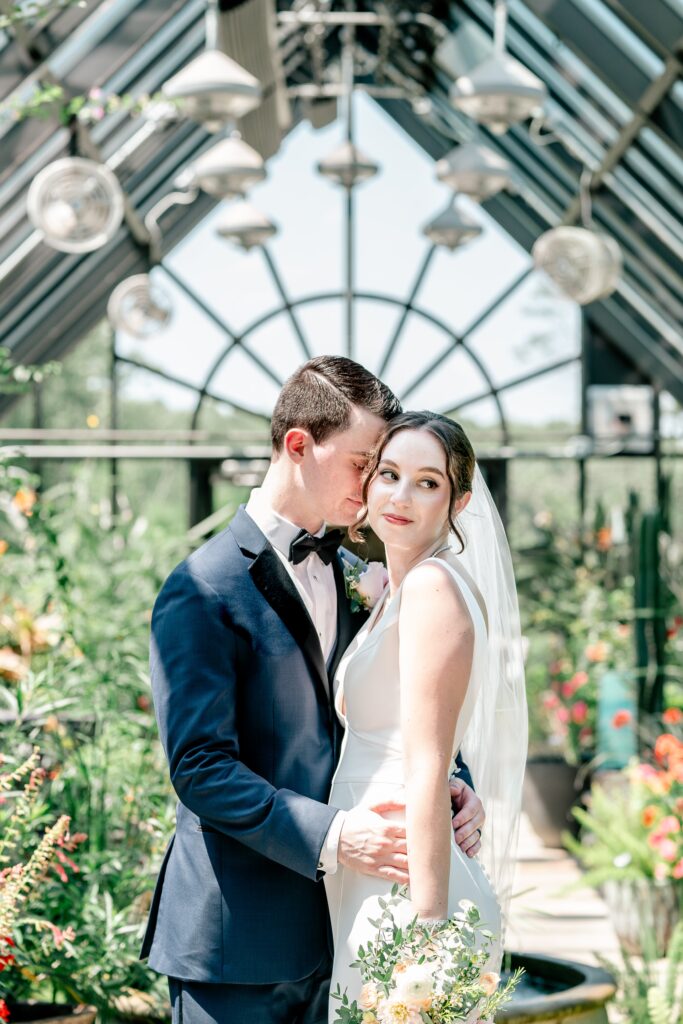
[{"x": 365, "y": 583}]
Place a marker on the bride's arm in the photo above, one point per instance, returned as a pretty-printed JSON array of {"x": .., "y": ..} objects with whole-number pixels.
[{"x": 436, "y": 639}]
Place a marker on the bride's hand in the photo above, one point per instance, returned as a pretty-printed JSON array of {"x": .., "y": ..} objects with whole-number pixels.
[
  {"x": 373, "y": 845},
  {"x": 469, "y": 817}
]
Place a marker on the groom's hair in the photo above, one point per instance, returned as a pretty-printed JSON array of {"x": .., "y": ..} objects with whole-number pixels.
[{"x": 319, "y": 397}]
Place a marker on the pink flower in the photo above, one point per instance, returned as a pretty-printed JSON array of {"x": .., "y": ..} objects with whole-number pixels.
[
  {"x": 369, "y": 996},
  {"x": 580, "y": 712},
  {"x": 562, "y": 715},
  {"x": 661, "y": 872},
  {"x": 668, "y": 850},
  {"x": 579, "y": 679},
  {"x": 669, "y": 825},
  {"x": 550, "y": 701},
  {"x": 677, "y": 870},
  {"x": 568, "y": 688}
]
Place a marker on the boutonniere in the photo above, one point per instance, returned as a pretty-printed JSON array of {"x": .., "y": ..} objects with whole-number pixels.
[{"x": 365, "y": 583}]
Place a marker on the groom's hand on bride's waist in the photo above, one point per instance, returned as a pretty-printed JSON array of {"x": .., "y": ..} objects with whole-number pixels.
[
  {"x": 373, "y": 844},
  {"x": 468, "y": 817}
]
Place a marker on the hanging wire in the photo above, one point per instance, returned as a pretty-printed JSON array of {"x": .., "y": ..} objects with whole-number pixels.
[{"x": 500, "y": 20}]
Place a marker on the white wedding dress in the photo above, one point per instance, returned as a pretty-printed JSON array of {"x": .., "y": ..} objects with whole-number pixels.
[{"x": 371, "y": 771}]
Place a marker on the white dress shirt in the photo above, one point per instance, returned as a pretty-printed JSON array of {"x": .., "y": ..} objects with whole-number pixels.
[{"x": 315, "y": 584}]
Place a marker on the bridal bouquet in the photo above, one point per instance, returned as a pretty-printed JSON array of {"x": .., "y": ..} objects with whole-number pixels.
[{"x": 426, "y": 973}]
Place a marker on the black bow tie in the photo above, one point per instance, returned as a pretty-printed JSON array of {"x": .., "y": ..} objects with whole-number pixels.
[{"x": 305, "y": 544}]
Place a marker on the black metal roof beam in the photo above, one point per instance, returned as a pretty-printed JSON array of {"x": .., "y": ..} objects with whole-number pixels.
[{"x": 650, "y": 99}]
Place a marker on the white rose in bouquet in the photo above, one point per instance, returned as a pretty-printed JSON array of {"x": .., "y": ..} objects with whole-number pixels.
[
  {"x": 415, "y": 985},
  {"x": 371, "y": 584}
]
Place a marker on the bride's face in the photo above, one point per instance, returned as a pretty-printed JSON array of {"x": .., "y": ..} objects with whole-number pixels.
[{"x": 409, "y": 497}]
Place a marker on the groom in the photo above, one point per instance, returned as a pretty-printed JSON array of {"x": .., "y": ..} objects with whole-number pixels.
[{"x": 246, "y": 636}]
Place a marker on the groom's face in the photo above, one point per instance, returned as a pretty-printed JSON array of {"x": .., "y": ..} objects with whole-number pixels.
[{"x": 334, "y": 469}]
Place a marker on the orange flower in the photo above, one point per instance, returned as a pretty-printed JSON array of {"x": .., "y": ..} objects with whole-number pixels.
[
  {"x": 597, "y": 651},
  {"x": 24, "y": 500},
  {"x": 621, "y": 718},
  {"x": 672, "y": 716},
  {"x": 649, "y": 815},
  {"x": 603, "y": 539},
  {"x": 3, "y": 546},
  {"x": 666, "y": 745}
]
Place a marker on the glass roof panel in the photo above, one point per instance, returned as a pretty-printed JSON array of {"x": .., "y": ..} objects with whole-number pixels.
[
  {"x": 522, "y": 403},
  {"x": 567, "y": 62},
  {"x": 614, "y": 28}
]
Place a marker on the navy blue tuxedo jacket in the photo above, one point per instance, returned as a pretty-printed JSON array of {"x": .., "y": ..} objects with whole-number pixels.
[{"x": 243, "y": 700}]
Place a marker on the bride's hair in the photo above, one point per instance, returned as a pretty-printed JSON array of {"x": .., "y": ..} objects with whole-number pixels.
[{"x": 460, "y": 460}]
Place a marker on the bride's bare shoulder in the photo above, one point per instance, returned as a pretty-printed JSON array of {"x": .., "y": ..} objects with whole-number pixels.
[
  {"x": 430, "y": 590},
  {"x": 433, "y": 581}
]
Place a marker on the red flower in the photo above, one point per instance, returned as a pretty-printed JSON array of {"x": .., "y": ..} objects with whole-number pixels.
[
  {"x": 621, "y": 718},
  {"x": 580, "y": 712},
  {"x": 672, "y": 716},
  {"x": 4, "y": 1010}
]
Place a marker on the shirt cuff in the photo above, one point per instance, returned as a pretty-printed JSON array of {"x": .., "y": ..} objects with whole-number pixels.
[{"x": 328, "y": 855}]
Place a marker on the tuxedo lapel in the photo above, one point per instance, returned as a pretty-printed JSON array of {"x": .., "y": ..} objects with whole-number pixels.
[
  {"x": 276, "y": 585},
  {"x": 348, "y": 622}
]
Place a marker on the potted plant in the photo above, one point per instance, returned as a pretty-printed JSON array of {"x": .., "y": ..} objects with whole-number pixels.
[
  {"x": 633, "y": 844},
  {"x": 26, "y": 861}
]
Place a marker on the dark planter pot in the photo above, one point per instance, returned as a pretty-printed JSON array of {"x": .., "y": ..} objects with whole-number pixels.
[
  {"x": 551, "y": 788},
  {"x": 554, "y": 991},
  {"x": 50, "y": 1013}
]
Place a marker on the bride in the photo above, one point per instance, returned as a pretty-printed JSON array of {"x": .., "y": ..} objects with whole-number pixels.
[{"x": 437, "y": 668}]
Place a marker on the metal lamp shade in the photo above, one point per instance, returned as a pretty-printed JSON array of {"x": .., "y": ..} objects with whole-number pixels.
[
  {"x": 139, "y": 307},
  {"x": 499, "y": 92},
  {"x": 76, "y": 203},
  {"x": 246, "y": 226},
  {"x": 586, "y": 265},
  {"x": 474, "y": 171},
  {"x": 229, "y": 168},
  {"x": 347, "y": 166},
  {"x": 451, "y": 228},
  {"x": 214, "y": 89}
]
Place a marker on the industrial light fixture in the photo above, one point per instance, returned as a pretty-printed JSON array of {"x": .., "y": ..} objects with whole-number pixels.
[
  {"x": 244, "y": 225},
  {"x": 475, "y": 171},
  {"x": 229, "y": 168},
  {"x": 213, "y": 89},
  {"x": 139, "y": 306},
  {"x": 347, "y": 166},
  {"x": 500, "y": 91},
  {"x": 76, "y": 203},
  {"x": 451, "y": 228}
]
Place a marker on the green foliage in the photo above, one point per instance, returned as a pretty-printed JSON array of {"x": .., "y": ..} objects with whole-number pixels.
[
  {"x": 651, "y": 990},
  {"x": 450, "y": 956}
]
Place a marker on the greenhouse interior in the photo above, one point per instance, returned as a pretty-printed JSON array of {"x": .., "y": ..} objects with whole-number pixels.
[{"x": 481, "y": 203}]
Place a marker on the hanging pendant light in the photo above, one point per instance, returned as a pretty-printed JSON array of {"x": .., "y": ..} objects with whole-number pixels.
[
  {"x": 500, "y": 91},
  {"x": 585, "y": 264},
  {"x": 475, "y": 171},
  {"x": 76, "y": 203},
  {"x": 246, "y": 226},
  {"x": 451, "y": 228},
  {"x": 228, "y": 168},
  {"x": 348, "y": 166},
  {"x": 139, "y": 307},
  {"x": 213, "y": 89}
]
